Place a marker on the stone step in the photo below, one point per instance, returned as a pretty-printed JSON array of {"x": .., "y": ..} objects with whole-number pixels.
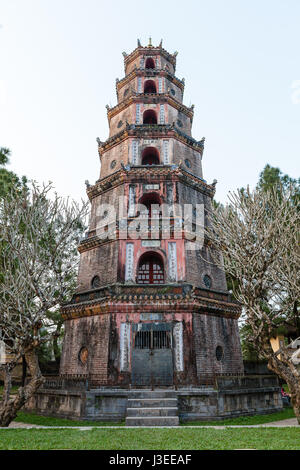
[
  {"x": 151, "y": 402},
  {"x": 152, "y": 421},
  {"x": 149, "y": 412},
  {"x": 152, "y": 394}
]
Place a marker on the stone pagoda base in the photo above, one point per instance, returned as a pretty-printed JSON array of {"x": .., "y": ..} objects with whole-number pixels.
[{"x": 230, "y": 397}]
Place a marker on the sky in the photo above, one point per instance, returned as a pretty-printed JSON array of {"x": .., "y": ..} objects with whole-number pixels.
[{"x": 59, "y": 60}]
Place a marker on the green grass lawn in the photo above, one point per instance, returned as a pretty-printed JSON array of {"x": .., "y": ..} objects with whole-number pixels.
[
  {"x": 13, "y": 390},
  {"x": 247, "y": 420},
  {"x": 151, "y": 439}
]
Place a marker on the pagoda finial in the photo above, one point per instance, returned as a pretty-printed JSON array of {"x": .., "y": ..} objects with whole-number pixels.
[
  {"x": 150, "y": 42},
  {"x": 139, "y": 43},
  {"x": 160, "y": 44}
]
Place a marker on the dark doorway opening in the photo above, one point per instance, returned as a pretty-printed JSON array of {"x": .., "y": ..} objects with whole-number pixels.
[
  {"x": 149, "y": 87},
  {"x": 150, "y": 63},
  {"x": 149, "y": 117},
  {"x": 150, "y": 156}
]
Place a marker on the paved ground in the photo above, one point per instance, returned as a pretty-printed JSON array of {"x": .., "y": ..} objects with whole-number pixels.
[
  {"x": 17, "y": 425},
  {"x": 283, "y": 423}
]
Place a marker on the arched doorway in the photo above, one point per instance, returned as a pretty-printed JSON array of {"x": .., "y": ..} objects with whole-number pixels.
[
  {"x": 151, "y": 201},
  {"x": 149, "y": 117},
  {"x": 150, "y": 156},
  {"x": 150, "y": 269},
  {"x": 150, "y": 86},
  {"x": 150, "y": 63}
]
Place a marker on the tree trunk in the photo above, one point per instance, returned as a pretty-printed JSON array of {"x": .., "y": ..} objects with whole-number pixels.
[
  {"x": 8, "y": 410},
  {"x": 24, "y": 370},
  {"x": 294, "y": 389},
  {"x": 56, "y": 349},
  {"x": 289, "y": 373},
  {"x": 7, "y": 384}
]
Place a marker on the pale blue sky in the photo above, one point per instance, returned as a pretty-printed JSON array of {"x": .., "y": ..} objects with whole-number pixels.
[{"x": 59, "y": 60}]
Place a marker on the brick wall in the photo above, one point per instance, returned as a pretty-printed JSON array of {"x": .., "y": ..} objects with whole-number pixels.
[
  {"x": 210, "y": 332},
  {"x": 93, "y": 333},
  {"x": 197, "y": 266},
  {"x": 101, "y": 261}
]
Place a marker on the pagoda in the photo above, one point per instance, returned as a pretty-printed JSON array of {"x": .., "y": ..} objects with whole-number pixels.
[{"x": 151, "y": 307}]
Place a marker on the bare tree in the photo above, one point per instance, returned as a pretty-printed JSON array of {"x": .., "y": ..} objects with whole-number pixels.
[
  {"x": 39, "y": 234},
  {"x": 258, "y": 235}
]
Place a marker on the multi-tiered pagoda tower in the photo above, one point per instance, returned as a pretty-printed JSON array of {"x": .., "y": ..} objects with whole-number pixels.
[{"x": 150, "y": 308}]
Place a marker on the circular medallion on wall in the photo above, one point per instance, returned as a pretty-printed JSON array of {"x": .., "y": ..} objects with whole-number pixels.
[
  {"x": 187, "y": 163},
  {"x": 113, "y": 164},
  {"x": 179, "y": 123},
  {"x": 83, "y": 355},
  {"x": 126, "y": 92},
  {"x": 207, "y": 281},
  {"x": 95, "y": 282},
  {"x": 173, "y": 91},
  {"x": 120, "y": 124},
  {"x": 219, "y": 353}
]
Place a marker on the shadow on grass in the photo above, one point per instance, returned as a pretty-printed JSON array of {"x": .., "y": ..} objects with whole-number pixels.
[{"x": 30, "y": 418}]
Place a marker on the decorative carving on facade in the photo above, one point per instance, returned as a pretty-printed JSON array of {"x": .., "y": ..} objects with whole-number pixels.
[
  {"x": 172, "y": 259},
  {"x": 178, "y": 350},
  {"x": 124, "y": 346}
]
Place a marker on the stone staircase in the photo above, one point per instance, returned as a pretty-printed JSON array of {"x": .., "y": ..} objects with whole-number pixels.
[{"x": 152, "y": 408}]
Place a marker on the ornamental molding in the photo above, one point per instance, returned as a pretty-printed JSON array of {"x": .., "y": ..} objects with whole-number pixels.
[
  {"x": 147, "y": 98},
  {"x": 93, "y": 242},
  {"x": 150, "y": 131},
  {"x": 139, "y": 71},
  {"x": 149, "y": 51},
  {"x": 165, "y": 298},
  {"x": 143, "y": 174}
]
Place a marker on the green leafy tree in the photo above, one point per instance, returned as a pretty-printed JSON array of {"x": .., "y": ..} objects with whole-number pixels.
[
  {"x": 9, "y": 181},
  {"x": 273, "y": 178}
]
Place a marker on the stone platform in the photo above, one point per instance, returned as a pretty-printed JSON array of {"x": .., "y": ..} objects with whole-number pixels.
[{"x": 230, "y": 397}]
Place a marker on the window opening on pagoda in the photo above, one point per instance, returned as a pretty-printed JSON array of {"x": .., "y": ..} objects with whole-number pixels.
[
  {"x": 152, "y": 340},
  {"x": 150, "y": 269},
  {"x": 150, "y": 86},
  {"x": 149, "y": 117},
  {"x": 152, "y": 203},
  {"x": 150, "y": 63},
  {"x": 150, "y": 156}
]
